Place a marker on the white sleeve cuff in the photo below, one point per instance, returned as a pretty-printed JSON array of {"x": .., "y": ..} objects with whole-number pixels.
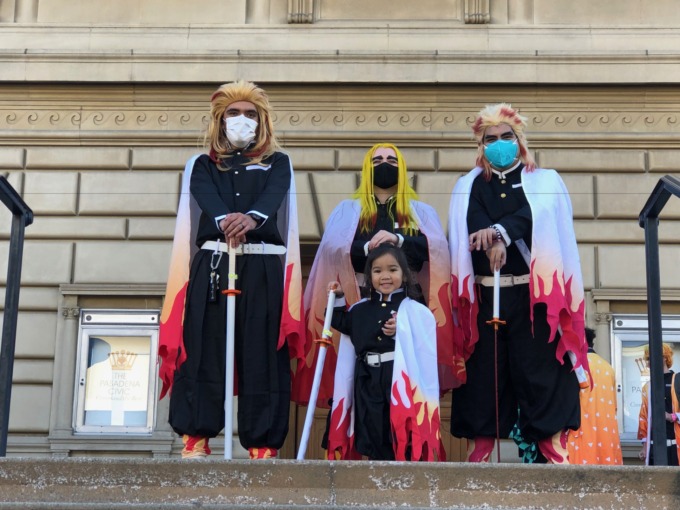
[
  {"x": 260, "y": 215},
  {"x": 217, "y": 221},
  {"x": 504, "y": 234},
  {"x": 366, "y": 249},
  {"x": 401, "y": 240},
  {"x": 340, "y": 301}
]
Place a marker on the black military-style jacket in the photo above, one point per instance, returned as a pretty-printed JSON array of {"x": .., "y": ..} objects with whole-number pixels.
[
  {"x": 244, "y": 188},
  {"x": 364, "y": 321},
  {"x": 501, "y": 201}
]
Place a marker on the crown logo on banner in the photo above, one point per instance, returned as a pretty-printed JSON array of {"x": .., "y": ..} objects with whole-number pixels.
[
  {"x": 642, "y": 367},
  {"x": 122, "y": 360}
]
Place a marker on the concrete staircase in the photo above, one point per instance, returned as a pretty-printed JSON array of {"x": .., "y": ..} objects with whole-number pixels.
[{"x": 115, "y": 483}]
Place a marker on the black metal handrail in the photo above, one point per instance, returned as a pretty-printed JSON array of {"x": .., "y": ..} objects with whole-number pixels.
[
  {"x": 649, "y": 220},
  {"x": 22, "y": 216}
]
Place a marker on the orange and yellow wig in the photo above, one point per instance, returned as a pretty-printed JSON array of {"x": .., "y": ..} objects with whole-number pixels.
[
  {"x": 405, "y": 193},
  {"x": 667, "y": 355},
  {"x": 493, "y": 115},
  {"x": 265, "y": 143}
]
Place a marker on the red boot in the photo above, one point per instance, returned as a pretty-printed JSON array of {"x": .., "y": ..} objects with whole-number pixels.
[
  {"x": 554, "y": 448},
  {"x": 262, "y": 453},
  {"x": 195, "y": 447},
  {"x": 479, "y": 449}
]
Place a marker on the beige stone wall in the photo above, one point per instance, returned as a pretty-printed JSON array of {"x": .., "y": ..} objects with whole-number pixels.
[
  {"x": 101, "y": 102},
  {"x": 169, "y": 12}
]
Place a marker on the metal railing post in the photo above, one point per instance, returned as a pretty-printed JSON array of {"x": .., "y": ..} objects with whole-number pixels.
[
  {"x": 22, "y": 216},
  {"x": 649, "y": 220}
]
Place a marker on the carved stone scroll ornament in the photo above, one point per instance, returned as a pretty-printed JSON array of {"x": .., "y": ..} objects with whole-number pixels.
[
  {"x": 70, "y": 312},
  {"x": 300, "y": 11},
  {"x": 603, "y": 317},
  {"x": 477, "y": 12}
]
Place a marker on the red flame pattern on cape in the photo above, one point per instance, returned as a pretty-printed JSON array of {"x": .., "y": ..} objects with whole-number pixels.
[
  {"x": 555, "y": 268},
  {"x": 172, "y": 328},
  {"x": 414, "y": 425},
  {"x": 333, "y": 262},
  {"x": 171, "y": 353}
]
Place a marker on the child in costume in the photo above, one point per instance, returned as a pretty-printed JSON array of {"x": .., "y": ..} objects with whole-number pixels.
[{"x": 386, "y": 398}]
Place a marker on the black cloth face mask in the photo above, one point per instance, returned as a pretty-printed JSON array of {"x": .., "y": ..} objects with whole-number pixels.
[{"x": 385, "y": 175}]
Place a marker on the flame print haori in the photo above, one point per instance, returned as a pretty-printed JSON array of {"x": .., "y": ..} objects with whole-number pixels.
[
  {"x": 171, "y": 353},
  {"x": 414, "y": 405},
  {"x": 555, "y": 269},
  {"x": 333, "y": 263}
]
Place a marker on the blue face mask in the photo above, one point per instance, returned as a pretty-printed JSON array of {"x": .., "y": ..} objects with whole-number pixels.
[{"x": 501, "y": 153}]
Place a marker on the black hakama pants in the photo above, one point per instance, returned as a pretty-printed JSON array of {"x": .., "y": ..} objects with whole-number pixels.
[
  {"x": 372, "y": 426},
  {"x": 262, "y": 371},
  {"x": 530, "y": 379}
]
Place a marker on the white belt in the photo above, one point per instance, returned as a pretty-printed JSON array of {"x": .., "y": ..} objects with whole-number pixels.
[
  {"x": 669, "y": 442},
  {"x": 246, "y": 249},
  {"x": 375, "y": 359},
  {"x": 505, "y": 281}
]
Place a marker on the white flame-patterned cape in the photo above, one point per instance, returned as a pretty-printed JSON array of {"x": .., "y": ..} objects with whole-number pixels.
[
  {"x": 555, "y": 267},
  {"x": 414, "y": 406}
]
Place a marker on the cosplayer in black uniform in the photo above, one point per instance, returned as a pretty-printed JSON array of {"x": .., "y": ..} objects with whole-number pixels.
[
  {"x": 499, "y": 221},
  {"x": 239, "y": 188},
  {"x": 385, "y": 160},
  {"x": 371, "y": 326}
]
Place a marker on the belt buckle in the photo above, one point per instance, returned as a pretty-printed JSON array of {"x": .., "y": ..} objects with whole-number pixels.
[{"x": 373, "y": 365}]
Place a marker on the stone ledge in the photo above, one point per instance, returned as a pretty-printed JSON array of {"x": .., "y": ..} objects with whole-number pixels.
[
  {"x": 138, "y": 483},
  {"x": 426, "y": 66}
]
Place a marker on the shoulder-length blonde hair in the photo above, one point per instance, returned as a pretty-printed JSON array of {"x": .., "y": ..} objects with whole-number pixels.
[
  {"x": 493, "y": 115},
  {"x": 265, "y": 143},
  {"x": 405, "y": 193}
]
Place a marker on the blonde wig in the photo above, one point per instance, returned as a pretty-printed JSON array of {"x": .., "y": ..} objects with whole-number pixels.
[
  {"x": 494, "y": 115},
  {"x": 405, "y": 193},
  {"x": 667, "y": 355},
  {"x": 265, "y": 143}
]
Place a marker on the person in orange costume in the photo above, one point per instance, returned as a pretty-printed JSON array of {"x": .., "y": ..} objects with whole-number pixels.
[
  {"x": 672, "y": 412},
  {"x": 597, "y": 441}
]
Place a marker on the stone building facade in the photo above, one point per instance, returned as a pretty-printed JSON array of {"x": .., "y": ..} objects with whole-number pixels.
[{"x": 101, "y": 103}]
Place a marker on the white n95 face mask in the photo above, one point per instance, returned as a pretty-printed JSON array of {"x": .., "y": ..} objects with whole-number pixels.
[{"x": 240, "y": 130}]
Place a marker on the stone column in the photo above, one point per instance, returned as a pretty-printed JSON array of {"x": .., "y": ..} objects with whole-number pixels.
[
  {"x": 521, "y": 12},
  {"x": 26, "y": 11},
  {"x": 257, "y": 12},
  {"x": 65, "y": 356},
  {"x": 477, "y": 12},
  {"x": 300, "y": 11}
]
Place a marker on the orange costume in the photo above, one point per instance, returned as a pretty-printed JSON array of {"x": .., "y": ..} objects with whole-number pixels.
[
  {"x": 597, "y": 441},
  {"x": 645, "y": 427}
]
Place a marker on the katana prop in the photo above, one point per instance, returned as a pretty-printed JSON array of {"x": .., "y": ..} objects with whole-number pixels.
[
  {"x": 323, "y": 344},
  {"x": 231, "y": 292},
  {"x": 495, "y": 322}
]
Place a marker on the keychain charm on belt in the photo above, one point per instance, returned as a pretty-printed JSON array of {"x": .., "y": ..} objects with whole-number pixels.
[{"x": 214, "y": 283}]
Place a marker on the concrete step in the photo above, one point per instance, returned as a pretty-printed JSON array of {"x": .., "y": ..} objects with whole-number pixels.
[{"x": 116, "y": 483}]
